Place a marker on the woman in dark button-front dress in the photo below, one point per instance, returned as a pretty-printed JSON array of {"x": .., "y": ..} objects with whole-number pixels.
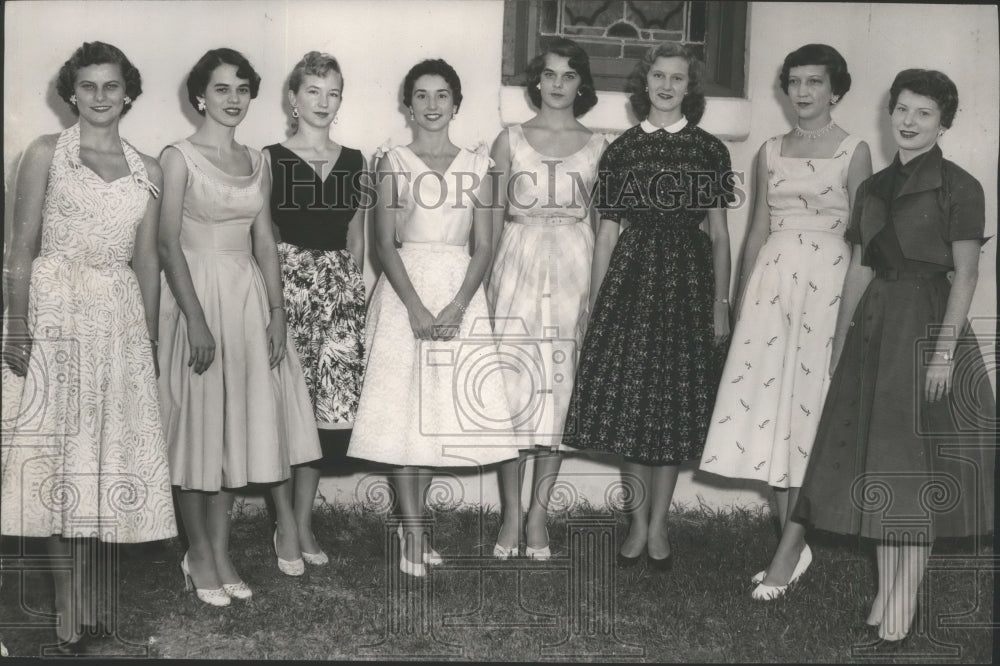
[
  {"x": 315, "y": 206},
  {"x": 906, "y": 445},
  {"x": 653, "y": 355}
]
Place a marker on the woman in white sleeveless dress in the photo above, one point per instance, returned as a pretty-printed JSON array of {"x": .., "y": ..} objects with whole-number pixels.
[
  {"x": 430, "y": 397},
  {"x": 83, "y": 452},
  {"x": 794, "y": 262},
  {"x": 540, "y": 281}
]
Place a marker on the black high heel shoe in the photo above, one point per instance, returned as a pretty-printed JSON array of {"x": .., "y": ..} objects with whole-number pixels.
[
  {"x": 77, "y": 648},
  {"x": 626, "y": 562},
  {"x": 98, "y": 630},
  {"x": 663, "y": 564}
]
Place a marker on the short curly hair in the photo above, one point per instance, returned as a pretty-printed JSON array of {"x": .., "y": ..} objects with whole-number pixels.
[
  {"x": 431, "y": 67},
  {"x": 929, "y": 83},
  {"x": 313, "y": 63},
  {"x": 693, "y": 105},
  {"x": 97, "y": 53},
  {"x": 818, "y": 54},
  {"x": 201, "y": 73},
  {"x": 578, "y": 59}
]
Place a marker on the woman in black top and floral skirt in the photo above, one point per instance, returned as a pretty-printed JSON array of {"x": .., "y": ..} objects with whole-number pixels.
[
  {"x": 315, "y": 201},
  {"x": 653, "y": 353},
  {"x": 905, "y": 451}
]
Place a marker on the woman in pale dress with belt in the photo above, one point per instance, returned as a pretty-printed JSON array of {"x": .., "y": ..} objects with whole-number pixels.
[
  {"x": 540, "y": 281},
  {"x": 428, "y": 330}
]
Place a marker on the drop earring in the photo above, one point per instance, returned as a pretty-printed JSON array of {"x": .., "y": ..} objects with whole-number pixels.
[
  {"x": 295, "y": 112},
  {"x": 412, "y": 117},
  {"x": 72, "y": 100},
  {"x": 335, "y": 120},
  {"x": 201, "y": 105}
]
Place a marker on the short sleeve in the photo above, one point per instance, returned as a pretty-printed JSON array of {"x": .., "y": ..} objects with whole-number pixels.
[
  {"x": 722, "y": 190},
  {"x": 610, "y": 183},
  {"x": 966, "y": 209},
  {"x": 853, "y": 233}
]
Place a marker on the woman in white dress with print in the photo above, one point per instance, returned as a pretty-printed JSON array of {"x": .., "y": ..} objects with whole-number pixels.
[
  {"x": 83, "y": 452},
  {"x": 429, "y": 341},
  {"x": 540, "y": 281},
  {"x": 794, "y": 263}
]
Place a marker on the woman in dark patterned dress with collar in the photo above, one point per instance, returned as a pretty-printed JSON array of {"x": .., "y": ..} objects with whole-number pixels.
[
  {"x": 651, "y": 359},
  {"x": 905, "y": 451}
]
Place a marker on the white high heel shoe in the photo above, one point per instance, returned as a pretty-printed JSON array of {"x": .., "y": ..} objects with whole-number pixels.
[
  {"x": 415, "y": 569},
  {"x": 431, "y": 557},
  {"x": 540, "y": 554},
  {"x": 288, "y": 567},
  {"x": 216, "y": 597},
  {"x": 316, "y": 559},
  {"x": 771, "y": 592},
  {"x": 238, "y": 590}
]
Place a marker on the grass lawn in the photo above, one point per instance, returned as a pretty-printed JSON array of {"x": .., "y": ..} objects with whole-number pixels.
[{"x": 577, "y": 607}]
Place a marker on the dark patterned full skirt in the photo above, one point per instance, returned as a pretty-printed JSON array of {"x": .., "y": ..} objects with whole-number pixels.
[
  {"x": 649, "y": 367},
  {"x": 325, "y": 299},
  {"x": 887, "y": 464}
]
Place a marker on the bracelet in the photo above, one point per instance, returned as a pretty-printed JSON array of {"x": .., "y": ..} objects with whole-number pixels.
[{"x": 458, "y": 305}]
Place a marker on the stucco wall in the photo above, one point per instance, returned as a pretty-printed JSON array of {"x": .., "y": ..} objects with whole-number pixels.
[{"x": 376, "y": 42}]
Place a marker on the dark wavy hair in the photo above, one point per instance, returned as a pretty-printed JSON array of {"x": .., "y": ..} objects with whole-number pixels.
[
  {"x": 693, "y": 104},
  {"x": 586, "y": 96},
  {"x": 929, "y": 83},
  {"x": 201, "y": 73},
  {"x": 97, "y": 53},
  {"x": 819, "y": 54},
  {"x": 313, "y": 63},
  {"x": 438, "y": 67}
]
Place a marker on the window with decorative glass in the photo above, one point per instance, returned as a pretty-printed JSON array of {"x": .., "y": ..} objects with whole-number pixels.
[{"x": 617, "y": 34}]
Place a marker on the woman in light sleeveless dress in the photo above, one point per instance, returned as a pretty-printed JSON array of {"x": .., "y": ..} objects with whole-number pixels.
[
  {"x": 234, "y": 402},
  {"x": 83, "y": 453},
  {"x": 315, "y": 209},
  {"x": 431, "y": 396},
  {"x": 540, "y": 281},
  {"x": 777, "y": 372}
]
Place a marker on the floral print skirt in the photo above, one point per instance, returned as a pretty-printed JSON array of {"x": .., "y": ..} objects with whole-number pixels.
[{"x": 325, "y": 300}]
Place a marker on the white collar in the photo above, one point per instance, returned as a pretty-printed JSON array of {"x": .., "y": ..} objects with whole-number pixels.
[{"x": 649, "y": 127}]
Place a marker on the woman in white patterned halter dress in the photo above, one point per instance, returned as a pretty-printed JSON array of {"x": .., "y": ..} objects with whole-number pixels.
[
  {"x": 793, "y": 267},
  {"x": 83, "y": 450},
  {"x": 540, "y": 281}
]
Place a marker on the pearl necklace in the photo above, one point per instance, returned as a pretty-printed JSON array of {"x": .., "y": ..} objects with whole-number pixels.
[{"x": 814, "y": 134}]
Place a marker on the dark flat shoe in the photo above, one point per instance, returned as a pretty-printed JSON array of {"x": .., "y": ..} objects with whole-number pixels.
[
  {"x": 664, "y": 564},
  {"x": 885, "y": 646},
  {"x": 626, "y": 562},
  {"x": 77, "y": 648},
  {"x": 98, "y": 630}
]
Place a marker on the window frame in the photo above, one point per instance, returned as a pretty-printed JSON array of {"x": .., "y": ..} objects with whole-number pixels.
[{"x": 725, "y": 58}]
